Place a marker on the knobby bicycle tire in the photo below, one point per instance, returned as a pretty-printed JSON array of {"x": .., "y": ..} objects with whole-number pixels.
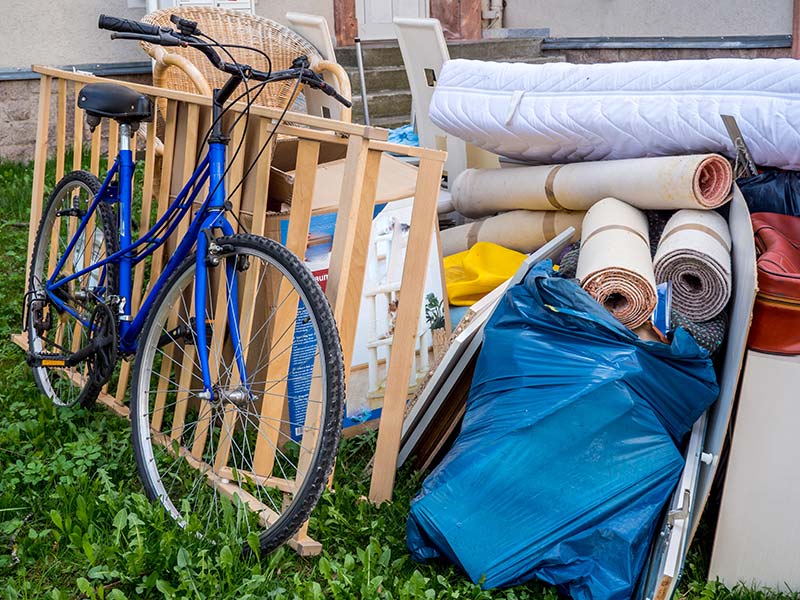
[{"x": 151, "y": 456}]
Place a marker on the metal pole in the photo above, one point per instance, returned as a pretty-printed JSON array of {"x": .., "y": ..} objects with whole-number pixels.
[{"x": 360, "y": 63}]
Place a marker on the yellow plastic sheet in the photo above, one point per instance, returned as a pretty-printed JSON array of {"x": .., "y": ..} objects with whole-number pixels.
[{"x": 472, "y": 274}]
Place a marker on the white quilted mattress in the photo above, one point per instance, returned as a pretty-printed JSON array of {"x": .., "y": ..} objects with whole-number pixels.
[{"x": 560, "y": 112}]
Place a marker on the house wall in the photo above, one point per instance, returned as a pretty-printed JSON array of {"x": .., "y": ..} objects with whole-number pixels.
[
  {"x": 66, "y": 30},
  {"x": 591, "y": 18}
]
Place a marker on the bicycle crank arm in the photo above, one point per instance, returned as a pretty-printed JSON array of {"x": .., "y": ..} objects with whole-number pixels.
[{"x": 60, "y": 360}]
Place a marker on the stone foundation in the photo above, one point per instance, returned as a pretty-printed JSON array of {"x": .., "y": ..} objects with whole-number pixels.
[{"x": 19, "y": 107}]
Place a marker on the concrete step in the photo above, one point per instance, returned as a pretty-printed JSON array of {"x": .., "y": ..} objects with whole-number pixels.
[
  {"x": 379, "y": 79},
  {"x": 385, "y": 122},
  {"x": 387, "y": 54},
  {"x": 385, "y": 104}
]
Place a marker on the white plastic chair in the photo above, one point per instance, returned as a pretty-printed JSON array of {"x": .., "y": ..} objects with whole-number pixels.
[
  {"x": 314, "y": 28},
  {"x": 424, "y": 51}
]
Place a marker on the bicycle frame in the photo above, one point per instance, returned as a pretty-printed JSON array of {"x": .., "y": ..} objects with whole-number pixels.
[{"x": 209, "y": 216}]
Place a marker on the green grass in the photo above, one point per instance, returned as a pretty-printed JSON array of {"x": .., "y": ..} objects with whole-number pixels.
[{"x": 74, "y": 522}]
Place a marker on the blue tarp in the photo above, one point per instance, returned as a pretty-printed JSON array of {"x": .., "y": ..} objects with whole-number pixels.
[{"x": 568, "y": 452}]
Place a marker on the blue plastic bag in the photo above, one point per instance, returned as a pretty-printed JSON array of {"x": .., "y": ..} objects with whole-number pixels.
[
  {"x": 404, "y": 135},
  {"x": 568, "y": 450}
]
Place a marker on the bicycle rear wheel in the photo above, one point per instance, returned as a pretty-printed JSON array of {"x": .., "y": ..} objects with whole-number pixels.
[
  {"x": 58, "y": 332},
  {"x": 256, "y": 456}
]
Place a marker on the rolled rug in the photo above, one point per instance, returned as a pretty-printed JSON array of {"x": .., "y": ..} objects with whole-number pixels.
[
  {"x": 614, "y": 265},
  {"x": 695, "y": 255},
  {"x": 520, "y": 230},
  {"x": 701, "y": 181}
]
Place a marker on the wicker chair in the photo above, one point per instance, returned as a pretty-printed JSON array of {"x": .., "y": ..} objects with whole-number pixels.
[{"x": 185, "y": 69}]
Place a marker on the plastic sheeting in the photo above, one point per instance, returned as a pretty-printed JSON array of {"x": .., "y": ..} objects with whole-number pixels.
[{"x": 567, "y": 454}]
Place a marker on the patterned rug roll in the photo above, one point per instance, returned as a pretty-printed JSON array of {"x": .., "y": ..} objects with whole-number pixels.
[
  {"x": 520, "y": 230},
  {"x": 695, "y": 254},
  {"x": 614, "y": 266}
]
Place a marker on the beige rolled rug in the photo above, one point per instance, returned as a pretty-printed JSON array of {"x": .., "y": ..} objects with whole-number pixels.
[
  {"x": 614, "y": 265},
  {"x": 695, "y": 255},
  {"x": 520, "y": 230},
  {"x": 701, "y": 181}
]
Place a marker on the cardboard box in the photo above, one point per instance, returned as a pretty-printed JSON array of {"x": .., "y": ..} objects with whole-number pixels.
[
  {"x": 396, "y": 179},
  {"x": 391, "y": 220}
]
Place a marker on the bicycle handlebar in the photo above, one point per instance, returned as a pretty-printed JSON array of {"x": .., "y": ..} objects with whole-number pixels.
[
  {"x": 126, "y": 29},
  {"x": 126, "y": 26}
]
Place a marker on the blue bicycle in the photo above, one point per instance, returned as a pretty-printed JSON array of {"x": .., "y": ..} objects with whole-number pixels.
[{"x": 231, "y": 424}]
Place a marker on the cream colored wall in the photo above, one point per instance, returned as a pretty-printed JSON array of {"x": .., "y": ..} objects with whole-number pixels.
[
  {"x": 63, "y": 32},
  {"x": 590, "y": 18}
]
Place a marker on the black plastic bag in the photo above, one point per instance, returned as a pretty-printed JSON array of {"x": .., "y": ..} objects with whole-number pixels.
[{"x": 773, "y": 191}]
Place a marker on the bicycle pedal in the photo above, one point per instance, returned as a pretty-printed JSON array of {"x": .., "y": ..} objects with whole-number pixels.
[{"x": 46, "y": 360}]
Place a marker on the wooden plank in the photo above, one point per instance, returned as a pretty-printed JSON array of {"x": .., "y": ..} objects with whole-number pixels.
[
  {"x": 113, "y": 143},
  {"x": 415, "y": 151},
  {"x": 94, "y": 161},
  {"x": 405, "y": 335},
  {"x": 236, "y": 168},
  {"x": 61, "y": 129},
  {"x": 165, "y": 182},
  {"x": 77, "y": 132},
  {"x": 260, "y": 174},
  {"x": 284, "y": 319},
  {"x": 306, "y": 120},
  {"x": 351, "y": 241},
  {"x": 39, "y": 164}
]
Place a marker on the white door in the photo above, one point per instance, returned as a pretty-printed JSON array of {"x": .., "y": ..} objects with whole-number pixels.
[{"x": 375, "y": 16}]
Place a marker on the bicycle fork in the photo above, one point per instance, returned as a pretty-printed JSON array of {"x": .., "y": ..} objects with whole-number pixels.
[{"x": 207, "y": 256}]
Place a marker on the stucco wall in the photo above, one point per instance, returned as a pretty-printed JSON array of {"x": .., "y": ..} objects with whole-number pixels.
[
  {"x": 589, "y": 18},
  {"x": 62, "y": 32}
]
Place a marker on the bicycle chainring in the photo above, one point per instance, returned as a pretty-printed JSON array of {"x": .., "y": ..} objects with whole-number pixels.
[{"x": 103, "y": 333}]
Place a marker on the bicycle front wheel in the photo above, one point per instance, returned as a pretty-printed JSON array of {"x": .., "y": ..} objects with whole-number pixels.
[{"x": 255, "y": 456}]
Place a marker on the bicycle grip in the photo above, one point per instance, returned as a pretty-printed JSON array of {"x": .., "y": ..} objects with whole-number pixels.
[{"x": 126, "y": 26}]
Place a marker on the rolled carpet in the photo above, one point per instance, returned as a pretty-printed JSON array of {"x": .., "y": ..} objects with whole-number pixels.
[
  {"x": 701, "y": 181},
  {"x": 695, "y": 255},
  {"x": 614, "y": 265},
  {"x": 520, "y": 230}
]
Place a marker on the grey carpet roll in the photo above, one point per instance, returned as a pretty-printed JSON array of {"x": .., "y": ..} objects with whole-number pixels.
[{"x": 694, "y": 254}]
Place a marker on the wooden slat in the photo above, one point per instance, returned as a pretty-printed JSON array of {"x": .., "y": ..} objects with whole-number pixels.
[
  {"x": 351, "y": 241},
  {"x": 94, "y": 161},
  {"x": 39, "y": 163},
  {"x": 260, "y": 178},
  {"x": 165, "y": 183},
  {"x": 61, "y": 129},
  {"x": 375, "y": 133},
  {"x": 171, "y": 116},
  {"x": 77, "y": 132},
  {"x": 283, "y": 327},
  {"x": 113, "y": 143},
  {"x": 405, "y": 335}
]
